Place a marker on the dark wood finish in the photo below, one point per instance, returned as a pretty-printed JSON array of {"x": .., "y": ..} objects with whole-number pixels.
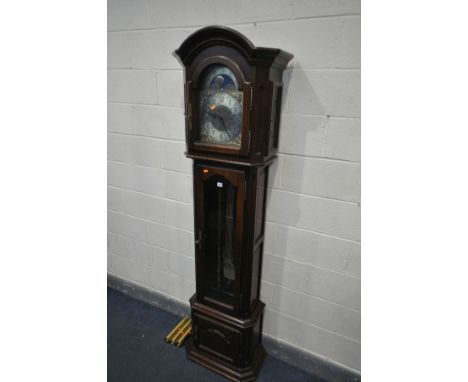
[{"x": 227, "y": 313}]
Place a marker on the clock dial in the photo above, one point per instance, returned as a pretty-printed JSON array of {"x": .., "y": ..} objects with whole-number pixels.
[
  {"x": 220, "y": 106},
  {"x": 221, "y": 118}
]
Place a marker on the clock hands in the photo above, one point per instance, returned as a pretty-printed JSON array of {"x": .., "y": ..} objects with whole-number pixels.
[
  {"x": 219, "y": 112},
  {"x": 223, "y": 116}
]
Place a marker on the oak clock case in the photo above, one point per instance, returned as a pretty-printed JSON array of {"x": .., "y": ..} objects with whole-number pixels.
[{"x": 232, "y": 108}]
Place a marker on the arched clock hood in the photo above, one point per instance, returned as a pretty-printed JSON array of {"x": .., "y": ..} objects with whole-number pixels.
[{"x": 215, "y": 35}]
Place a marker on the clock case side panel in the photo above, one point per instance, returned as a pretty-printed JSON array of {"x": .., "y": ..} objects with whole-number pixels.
[
  {"x": 254, "y": 237},
  {"x": 266, "y": 113}
]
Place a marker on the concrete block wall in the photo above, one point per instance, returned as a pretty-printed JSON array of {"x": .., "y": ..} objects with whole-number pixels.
[{"x": 311, "y": 271}]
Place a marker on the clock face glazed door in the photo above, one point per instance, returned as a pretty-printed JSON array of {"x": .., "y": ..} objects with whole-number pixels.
[
  {"x": 222, "y": 111},
  {"x": 220, "y": 193}
]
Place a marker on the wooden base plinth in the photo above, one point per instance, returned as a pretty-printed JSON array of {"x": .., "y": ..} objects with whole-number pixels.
[
  {"x": 226, "y": 344},
  {"x": 232, "y": 373}
]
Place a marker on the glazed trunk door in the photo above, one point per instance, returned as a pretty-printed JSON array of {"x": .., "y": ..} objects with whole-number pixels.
[{"x": 220, "y": 205}]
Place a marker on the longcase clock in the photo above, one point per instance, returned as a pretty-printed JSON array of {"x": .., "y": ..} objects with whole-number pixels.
[{"x": 232, "y": 108}]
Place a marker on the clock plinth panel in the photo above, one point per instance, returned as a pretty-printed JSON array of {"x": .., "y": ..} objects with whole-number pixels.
[{"x": 232, "y": 111}]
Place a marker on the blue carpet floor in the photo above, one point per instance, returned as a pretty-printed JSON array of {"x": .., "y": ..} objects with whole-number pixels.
[{"x": 136, "y": 351}]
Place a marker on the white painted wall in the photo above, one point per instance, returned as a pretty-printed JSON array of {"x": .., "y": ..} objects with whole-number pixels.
[{"x": 311, "y": 271}]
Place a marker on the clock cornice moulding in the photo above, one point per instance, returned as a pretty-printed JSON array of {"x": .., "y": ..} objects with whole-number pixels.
[{"x": 220, "y": 35}]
